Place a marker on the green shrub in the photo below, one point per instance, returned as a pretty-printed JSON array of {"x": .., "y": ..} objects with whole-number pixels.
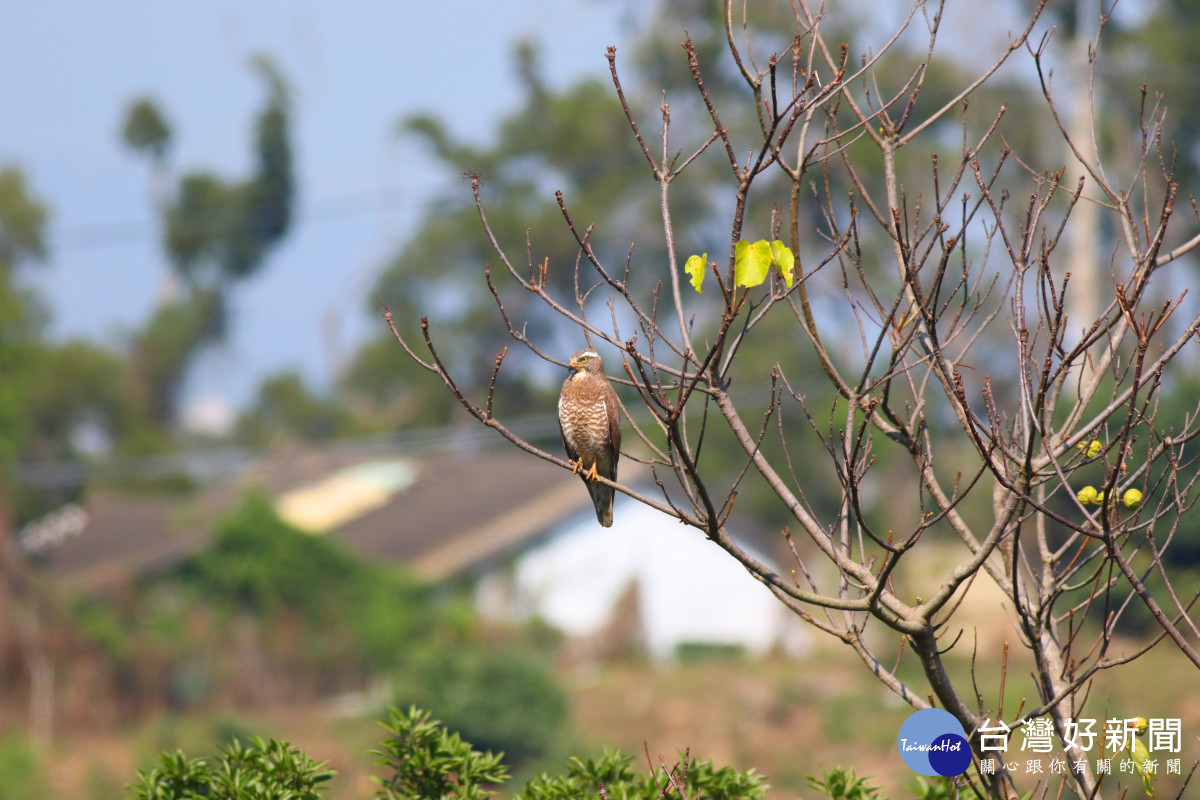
[
  {"x": 317, "y": 617},
  {"x": 426, "y": 760},
  {"x": 257, "y": 770},
  {"x": 614, "y": 773},
  {"x": 259, "y": 565},
  {"x": 319, "y": 620},
  {"x": 502, "y": 700},
  {"x": 843, "y": 784}
]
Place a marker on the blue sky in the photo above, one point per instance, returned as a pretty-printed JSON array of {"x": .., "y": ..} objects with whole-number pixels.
[{"x": 69, "y": 69}]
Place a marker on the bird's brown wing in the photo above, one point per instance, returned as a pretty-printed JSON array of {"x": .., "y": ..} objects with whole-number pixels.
[{"x": 614, "y": 427}]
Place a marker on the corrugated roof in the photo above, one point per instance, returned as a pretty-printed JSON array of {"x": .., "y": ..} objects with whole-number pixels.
[{"x": 465, "y": 509}]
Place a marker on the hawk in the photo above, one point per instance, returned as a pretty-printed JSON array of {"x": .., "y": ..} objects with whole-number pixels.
[{"x": 590, "y": 422}]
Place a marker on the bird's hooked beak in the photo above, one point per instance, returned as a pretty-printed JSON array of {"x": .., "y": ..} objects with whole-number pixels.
[{"x": 574, "y": 364}]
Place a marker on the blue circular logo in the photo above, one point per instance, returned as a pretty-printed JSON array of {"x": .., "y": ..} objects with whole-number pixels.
[{"x": 932, "y": 742}]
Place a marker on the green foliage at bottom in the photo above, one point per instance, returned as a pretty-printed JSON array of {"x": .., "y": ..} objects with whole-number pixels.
[
  {"x": 843, "y": 784},
  {"x": 256, "y": 770},
  {"x": 422, "y": 760},
  {"x": 426, "y": 760},
  {"x": 614, "y": 774},
  {"x": 938, "y": 789}
]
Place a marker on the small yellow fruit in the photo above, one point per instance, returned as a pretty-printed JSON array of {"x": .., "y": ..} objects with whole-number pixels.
[
  {"x": 1099, "y": 499},
  {"x": 1087, "y": 495},
  {"x": 1132, "y": 499},
  {"x": 1094, "y": 448}
]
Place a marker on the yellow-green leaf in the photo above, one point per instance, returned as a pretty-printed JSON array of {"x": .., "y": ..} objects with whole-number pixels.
[
  {"x": 695, "y": 267},
  {"x": 784, "y": 261},
  {"x": 751, "y": 262},
  {"x": 1139, "y": 755}
]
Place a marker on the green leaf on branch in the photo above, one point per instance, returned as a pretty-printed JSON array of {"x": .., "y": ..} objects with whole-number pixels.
[
  {"x": 694, "y": 267},
  {"x": 752, "y": 262},
  {"x": 783, "y": 260}
]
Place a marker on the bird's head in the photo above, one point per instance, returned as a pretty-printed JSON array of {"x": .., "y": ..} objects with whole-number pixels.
[{"x": 586, "y": 361}]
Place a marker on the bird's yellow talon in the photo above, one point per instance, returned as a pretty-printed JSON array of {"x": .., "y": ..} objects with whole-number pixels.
[{"x": 591, "y": 475}]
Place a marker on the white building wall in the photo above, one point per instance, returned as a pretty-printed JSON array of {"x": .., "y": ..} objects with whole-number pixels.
[{"x": 689, "y": 590}]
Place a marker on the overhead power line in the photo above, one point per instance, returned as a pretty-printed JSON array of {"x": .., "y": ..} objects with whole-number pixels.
[
  {"x": 215, "y": 463},
  {"x": 108, "y": 234}
]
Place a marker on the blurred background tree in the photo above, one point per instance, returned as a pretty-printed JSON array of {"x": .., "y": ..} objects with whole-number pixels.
[
  {"x": 216, "y": 233},
  {"x": 285, "y": 408},
  {"x": 22, "y": 220}
]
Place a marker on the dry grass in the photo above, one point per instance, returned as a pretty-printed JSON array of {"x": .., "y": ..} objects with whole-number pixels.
[{"x": 783, "y": 718}]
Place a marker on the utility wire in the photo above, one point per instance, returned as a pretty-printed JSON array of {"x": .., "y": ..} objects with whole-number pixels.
[
  {"x": 221, "y": 462},
  {"x": 215, "y": 463},
  {"x": 108, "y": 234}
]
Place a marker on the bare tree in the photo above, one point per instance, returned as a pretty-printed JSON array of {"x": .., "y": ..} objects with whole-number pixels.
[{"x": 939, "y": 322}]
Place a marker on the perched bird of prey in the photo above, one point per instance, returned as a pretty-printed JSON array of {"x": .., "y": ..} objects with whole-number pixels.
[{"x": 590, "y": 422}]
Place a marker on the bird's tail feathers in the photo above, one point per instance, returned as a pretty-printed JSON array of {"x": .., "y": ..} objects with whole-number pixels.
[{"x": 602, "y": 498}]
